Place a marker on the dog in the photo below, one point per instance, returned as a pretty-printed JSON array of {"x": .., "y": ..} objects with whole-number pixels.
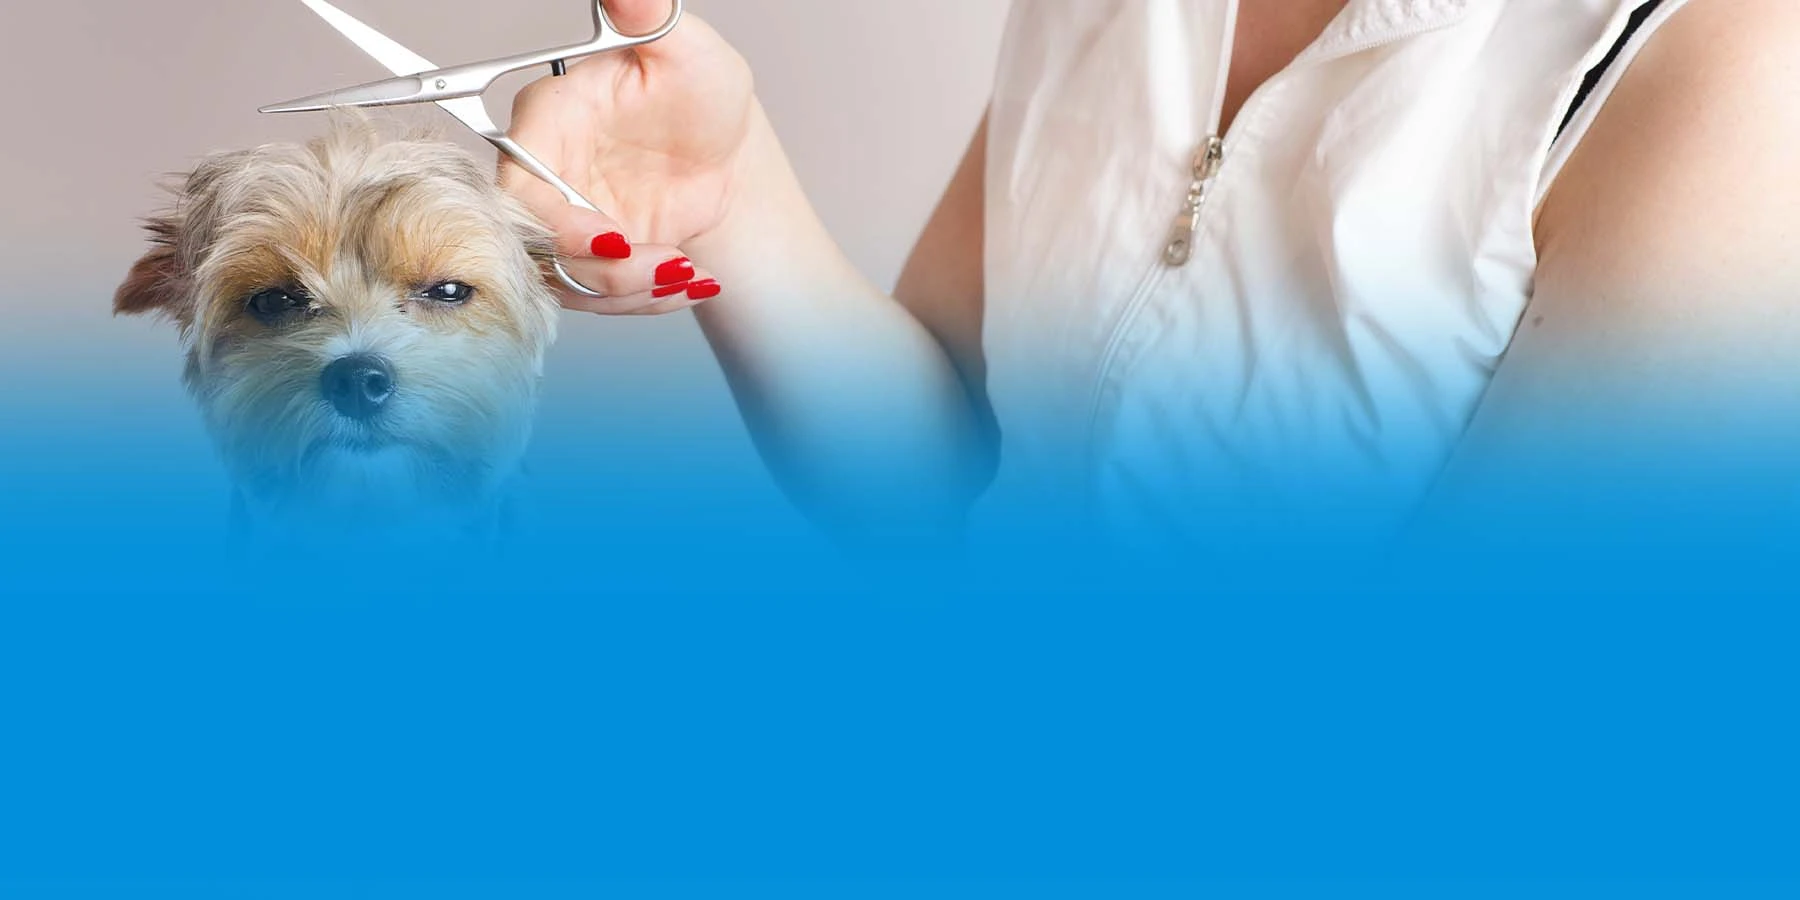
[{"x": 365, "y": 319}]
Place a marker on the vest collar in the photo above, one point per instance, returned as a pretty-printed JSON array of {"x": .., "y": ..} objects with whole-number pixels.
[{"x": 1370, "y": 23}]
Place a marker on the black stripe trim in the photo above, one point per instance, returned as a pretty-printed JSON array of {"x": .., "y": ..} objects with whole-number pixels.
[{"x": 1594, "y": 75}]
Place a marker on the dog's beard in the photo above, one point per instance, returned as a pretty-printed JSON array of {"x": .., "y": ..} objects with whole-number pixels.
[
  {"x": 341, "y": 492},
  {"x": 382, "y": 479},
  {"x": 438, "y": 458},
  {"x": 378, "y": 484},
  {"x": 430, "y": 464}
]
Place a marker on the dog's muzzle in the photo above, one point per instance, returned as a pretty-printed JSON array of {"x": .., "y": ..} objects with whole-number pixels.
[{"x": 358, "y": 385}]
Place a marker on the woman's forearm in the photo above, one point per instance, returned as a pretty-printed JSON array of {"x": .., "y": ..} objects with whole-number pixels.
[{"x": 854, "y": 405}]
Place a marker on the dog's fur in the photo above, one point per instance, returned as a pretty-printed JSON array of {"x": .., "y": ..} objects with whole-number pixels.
[{"x": 358, "y": 227}]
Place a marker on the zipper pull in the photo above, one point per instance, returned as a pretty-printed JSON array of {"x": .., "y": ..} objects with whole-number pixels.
[{"x": 1207, "y": 161}]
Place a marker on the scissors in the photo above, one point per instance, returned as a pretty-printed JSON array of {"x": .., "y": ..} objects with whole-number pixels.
[{"x": 458, "y": 89}]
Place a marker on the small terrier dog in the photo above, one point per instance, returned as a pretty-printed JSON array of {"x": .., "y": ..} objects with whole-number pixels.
[{"x": 365, "y": 319}]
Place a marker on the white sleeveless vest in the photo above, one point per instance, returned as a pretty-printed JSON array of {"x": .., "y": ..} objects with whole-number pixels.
[{"x": 1299, "y": 324}]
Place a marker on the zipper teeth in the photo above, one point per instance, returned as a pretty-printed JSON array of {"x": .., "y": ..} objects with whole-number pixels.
[
  {"x": 1151, "y": 280},
  {"x": 1133, "y": 308}
]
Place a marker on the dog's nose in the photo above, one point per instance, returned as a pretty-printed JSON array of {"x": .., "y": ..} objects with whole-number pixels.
[{"x": 358, "y": 385}]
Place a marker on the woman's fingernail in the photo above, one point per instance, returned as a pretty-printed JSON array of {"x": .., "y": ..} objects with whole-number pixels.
[
  {"x": 675, "y": 271},
  {"x": 669, "y": 291},
  {"x": 703, "y": 290},
  {"x": 612, "y": 245}
]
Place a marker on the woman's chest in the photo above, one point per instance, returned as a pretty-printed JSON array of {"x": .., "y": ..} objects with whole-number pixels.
[{"x": 1358, "y": 245}]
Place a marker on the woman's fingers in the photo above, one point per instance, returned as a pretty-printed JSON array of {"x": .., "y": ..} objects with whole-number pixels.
[
  {"x": 652, "y": 273},
  {"x": 632, "y": 279},
  {"x": 656, "y": 300},
  {"x": 580, "y": 233},
  {"x": 594, "y": 251}
]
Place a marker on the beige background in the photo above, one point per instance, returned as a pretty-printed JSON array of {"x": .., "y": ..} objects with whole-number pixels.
[{"x": 874, "y": 100}]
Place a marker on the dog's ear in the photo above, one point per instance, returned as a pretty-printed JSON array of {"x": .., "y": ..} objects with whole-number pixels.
[
  {"x": 161, "y": 283},
  {"x": 157, "y": 284}
]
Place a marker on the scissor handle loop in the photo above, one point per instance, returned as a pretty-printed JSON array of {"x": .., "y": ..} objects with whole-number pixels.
[
  {"x": 574, "y": 286},
  {"x": 607, "y": 36}
]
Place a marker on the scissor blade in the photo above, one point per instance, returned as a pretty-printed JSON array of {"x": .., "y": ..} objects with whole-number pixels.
[
  {"x": 399, "y": 60},
  {"x": 388, "y": 92},
  {"x": 386, "y": 50}
]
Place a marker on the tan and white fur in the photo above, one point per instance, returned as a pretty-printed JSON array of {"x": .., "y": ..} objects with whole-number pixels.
[{"x": 365, "y": 319}]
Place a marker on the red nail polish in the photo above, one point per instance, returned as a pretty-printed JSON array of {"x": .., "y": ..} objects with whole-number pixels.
[
  {"x": 669, "y": 291},
  {"x": 704, "y": 290},
  {"x": 612, "y": 245},
  {"x": 675, "y": 271}
]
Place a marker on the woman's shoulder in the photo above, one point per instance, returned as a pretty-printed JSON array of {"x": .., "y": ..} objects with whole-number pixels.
[
  {"x": 1704, "y": 117},
  {"x": 1662, "y": 316},
  {"x": 1741, "y": 46}
]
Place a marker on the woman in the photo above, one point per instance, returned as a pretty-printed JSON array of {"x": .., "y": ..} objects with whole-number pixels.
[{"x": 1213, "y": 266}]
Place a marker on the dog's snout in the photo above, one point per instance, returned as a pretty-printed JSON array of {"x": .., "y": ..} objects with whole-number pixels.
[{"x": 358, "y": 385}]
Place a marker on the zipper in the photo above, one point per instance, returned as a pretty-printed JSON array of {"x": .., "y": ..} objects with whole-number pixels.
[
  {"x": 1207, "y": 162},
  {"x": 1209, "y": 156},
  {"x": 1178, "y": 248}
]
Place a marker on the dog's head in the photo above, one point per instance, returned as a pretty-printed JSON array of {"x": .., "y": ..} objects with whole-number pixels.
[{"x": 365, "y": 317}]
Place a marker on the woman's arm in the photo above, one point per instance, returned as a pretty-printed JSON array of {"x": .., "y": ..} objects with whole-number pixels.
[
  {"x": 1662, "y": 343},
  {"x": 866, "y": 407},
  {"x": 944, "y": 285},
  {"x": 857, "y": 400}
]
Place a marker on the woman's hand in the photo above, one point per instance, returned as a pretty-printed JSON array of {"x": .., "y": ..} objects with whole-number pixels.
[
  {"x": 656, "y": 137},
  {"x": 854, "y": 404}
]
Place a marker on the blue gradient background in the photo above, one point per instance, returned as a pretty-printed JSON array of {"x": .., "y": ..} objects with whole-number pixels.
[{"x": 679, "y": 691}]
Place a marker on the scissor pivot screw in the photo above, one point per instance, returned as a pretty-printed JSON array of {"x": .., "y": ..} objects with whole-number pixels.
[{"x": 441, "y": 84}]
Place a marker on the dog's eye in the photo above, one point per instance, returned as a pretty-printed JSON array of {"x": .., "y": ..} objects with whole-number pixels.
[
  {"x": 449, "y": 292},
  {"x": 275, "y": 304}
]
